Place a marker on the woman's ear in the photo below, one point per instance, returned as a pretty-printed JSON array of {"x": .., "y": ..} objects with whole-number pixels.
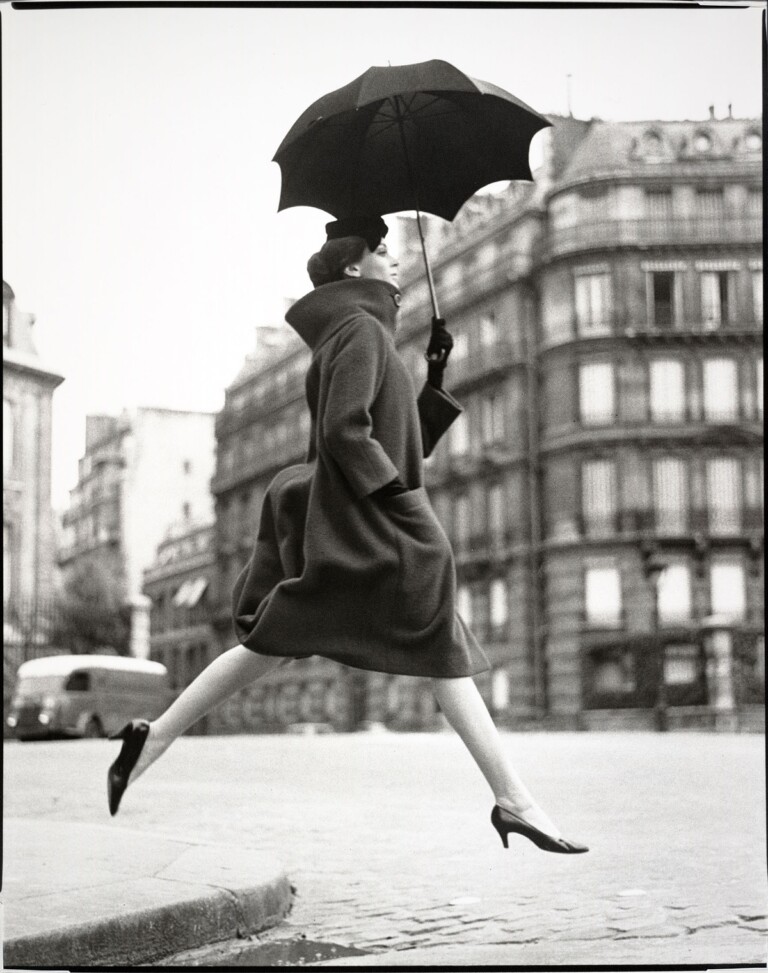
[{"x": 352, "y": 270}]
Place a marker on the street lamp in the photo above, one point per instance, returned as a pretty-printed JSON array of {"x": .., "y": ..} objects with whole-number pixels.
[{"x": 653, "y": 568}]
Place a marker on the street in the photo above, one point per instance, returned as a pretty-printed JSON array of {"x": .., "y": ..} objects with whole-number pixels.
[{"x": 388, "y": 841}]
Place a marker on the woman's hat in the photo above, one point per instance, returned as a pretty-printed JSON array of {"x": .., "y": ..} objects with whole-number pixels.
[{"x": 372, "y": 229}]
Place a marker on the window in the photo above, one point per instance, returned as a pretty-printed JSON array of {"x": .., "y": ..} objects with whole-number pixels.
[
  {"x": 728, "y": 594},
  {"x": 658, "y": 204},
  {"x": 460, "y": 346},
  {"x": 593, "y": 303},
  {"x": 498, "y": 599},
  {"x": 488, "y": 334},
  {"x": 667, "y": 390},
  {"x": 464, "y": 604},
  {"x": 662, "y": 292},
  {"x": 461, "y": 520},
  {"x": 492, "y": 418},
  {"x": 724, "y": 495},
  {"x": 757, "y": 295},
  {"x": 7, "y": 562},
  {"x": 596, "y": 393},
  {"x": 716, "y": 305},
  {"x": 500, "y": 689},
  {"x": 496, "y": 512},
  {"x": 614, "y": 672},
  {"x": 682, "y": 665},
  {"x": 709, "y": 204},
  {"x": 602, "y": 597},
  {"x": 670, "y": 495},
  {"x": 6, "y": 323},
  {"x": 759, "y": 386},
  {"x": 9, "y": 429},
  {"x": 598, "y": 496},
  {"x": 721, "y": 395},
  {"x": 458, "y": 436},
  {"x": 78, "y": 682},
  {"x": 674, "y": 589}
]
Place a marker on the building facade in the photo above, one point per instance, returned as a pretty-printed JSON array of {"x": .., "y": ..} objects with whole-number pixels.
[
  {"x": 28, "y": 529},
  {"x": 603, "y": 488},
  {"x": 140, "y": 472},
  {"x": 180, "y": 585}
]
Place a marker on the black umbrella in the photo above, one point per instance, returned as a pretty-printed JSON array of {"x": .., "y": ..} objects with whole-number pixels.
[{"x": 421, "y": 137}]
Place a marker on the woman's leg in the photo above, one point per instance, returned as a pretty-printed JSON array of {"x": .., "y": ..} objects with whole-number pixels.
[
  {"x": 465, "y": 710},
  {"x": 225, "y": 675}
]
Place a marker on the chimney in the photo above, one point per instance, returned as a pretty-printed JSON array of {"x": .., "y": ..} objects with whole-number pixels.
[
  {"x": 730, "y": 110},
  {"x": 712, "y": 113}
]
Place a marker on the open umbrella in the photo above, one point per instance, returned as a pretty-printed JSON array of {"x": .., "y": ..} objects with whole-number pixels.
[{"x": 421, "y": 137}]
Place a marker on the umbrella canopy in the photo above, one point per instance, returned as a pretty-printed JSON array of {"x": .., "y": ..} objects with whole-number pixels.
[{"x": 411, "y": 137}]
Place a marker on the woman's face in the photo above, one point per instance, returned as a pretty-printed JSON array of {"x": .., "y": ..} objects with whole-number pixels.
[{"x": 379, "y": 264}]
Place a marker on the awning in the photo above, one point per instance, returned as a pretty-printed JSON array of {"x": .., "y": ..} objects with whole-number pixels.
[{"x": 195, "y": 593}]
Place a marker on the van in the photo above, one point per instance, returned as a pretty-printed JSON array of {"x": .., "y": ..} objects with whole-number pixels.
[{"x": 85, "y": 695}]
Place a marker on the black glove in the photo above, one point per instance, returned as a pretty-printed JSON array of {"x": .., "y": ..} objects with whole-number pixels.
[
  {"x": 390, "y": 489},
  {"x": 438, "y": 350}
]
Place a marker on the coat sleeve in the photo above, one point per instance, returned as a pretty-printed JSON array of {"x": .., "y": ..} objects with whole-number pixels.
[
  {"x": 356, "y": 371},
  {"x": 437, "y": 410}
]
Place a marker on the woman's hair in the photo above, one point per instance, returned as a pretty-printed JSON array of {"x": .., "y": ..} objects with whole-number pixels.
[{"x": 327, "y": 265}]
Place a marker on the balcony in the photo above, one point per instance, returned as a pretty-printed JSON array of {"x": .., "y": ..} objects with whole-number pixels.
[
  {"x": 475, "y": 284},
  {"x": 649, "y": 232},
  {"x": 486, "y": 362}
]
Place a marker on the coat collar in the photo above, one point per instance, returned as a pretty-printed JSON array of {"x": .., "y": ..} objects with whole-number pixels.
[{"x": 321, "y": 313}]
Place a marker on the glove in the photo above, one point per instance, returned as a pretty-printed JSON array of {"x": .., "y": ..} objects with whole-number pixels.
[
  {"x": 438, "y": 350},
  {"x": 390, "y": 489}
]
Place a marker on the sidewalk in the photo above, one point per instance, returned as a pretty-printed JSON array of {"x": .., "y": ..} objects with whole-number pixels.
[{"x": 100, "y": 895}]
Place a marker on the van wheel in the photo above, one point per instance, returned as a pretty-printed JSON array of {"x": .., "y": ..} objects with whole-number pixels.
[{"x": 93, "y": 729}]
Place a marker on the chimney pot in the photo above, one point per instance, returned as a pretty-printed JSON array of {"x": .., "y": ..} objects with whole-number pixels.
[
  {"x": 712, "y": 113},
  {"x": 730, "y": 110}
]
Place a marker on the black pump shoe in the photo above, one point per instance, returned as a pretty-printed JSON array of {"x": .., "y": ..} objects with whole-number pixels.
[
  {"x": 505, "y": 822},
  {"x": 134, "y": 736}
]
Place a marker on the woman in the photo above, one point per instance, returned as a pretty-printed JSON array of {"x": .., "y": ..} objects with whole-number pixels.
[{"x": 350, "y": 561}]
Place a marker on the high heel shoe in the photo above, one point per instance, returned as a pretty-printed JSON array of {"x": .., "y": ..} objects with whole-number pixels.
[
  {"x": 134, "y": 736},
  {"x": 505, "y": 822}
]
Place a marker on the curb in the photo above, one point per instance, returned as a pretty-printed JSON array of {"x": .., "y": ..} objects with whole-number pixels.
[{"x": 179, "y": 897}]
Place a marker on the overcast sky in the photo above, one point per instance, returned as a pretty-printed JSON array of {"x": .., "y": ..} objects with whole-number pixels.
[{"x": 140, "y": 199}]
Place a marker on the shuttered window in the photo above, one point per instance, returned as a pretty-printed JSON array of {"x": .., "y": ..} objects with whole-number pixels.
[
  {"x": 675, "y": 594},
  {"x": 728, "y": 594},
  {"x": 667, "y": 390},
  {"x": 461, "y": 521},
  {"x": 602, "y": 596},
  {"x": 759, "y": 386},
  {"x": 721, "y": 392},
  {"x": 658, "y": 204},
  {"x": 724, "y": 495},
  {"x": 496, "y": 511},
  {"x": 458, "y": 437},
  {"x": 597, "y": 394},
  {"x": 598, "y": 479},
  {"x": 670, "y": 495},
  {"x": 757, "y": 295},
  {"x": 710, "y": 204},
  {"x": 492, "y": 418},
  {"x": 464, "y": 604}
]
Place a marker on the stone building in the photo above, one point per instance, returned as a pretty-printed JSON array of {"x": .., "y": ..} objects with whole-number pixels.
[
  {"x": 608, "y": 331},
  {"x": 180, "y": 584},
  {"x": 608, "y": 323},
  {"x": 140, "y": 472},
  {"x": 28, "y": 530}
]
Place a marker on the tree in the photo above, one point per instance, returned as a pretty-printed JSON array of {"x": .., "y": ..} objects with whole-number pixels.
[{"x": 92, "y": 615}]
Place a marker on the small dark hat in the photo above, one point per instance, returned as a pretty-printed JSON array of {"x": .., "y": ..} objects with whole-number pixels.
[{"x": 372, "y": 229}]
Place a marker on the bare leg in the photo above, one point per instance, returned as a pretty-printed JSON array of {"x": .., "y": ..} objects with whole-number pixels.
[
  {"x": 466, "y": 711},
  {"x": 229, "y": 672}
]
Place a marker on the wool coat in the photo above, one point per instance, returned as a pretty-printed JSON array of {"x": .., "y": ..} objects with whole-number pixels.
[{"x": 367, "y": 581}]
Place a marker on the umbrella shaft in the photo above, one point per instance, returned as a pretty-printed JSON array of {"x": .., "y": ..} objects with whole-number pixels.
[{"x": 415, "y": 189}]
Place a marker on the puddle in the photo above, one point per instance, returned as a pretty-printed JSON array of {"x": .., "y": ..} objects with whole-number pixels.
[{"x": 288, "y": 952}]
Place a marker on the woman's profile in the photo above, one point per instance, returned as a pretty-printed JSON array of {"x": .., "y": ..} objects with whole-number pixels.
[{"x": 350, "y": 561}]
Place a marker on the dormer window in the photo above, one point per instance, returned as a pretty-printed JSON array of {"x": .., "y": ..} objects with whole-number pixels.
[
  {"x": 753, "y": 141},
  {"x": 652, "y": 144},
  {"x": 702, "y": 142}
]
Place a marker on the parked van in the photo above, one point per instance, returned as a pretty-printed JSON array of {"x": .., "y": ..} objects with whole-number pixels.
[{"x": 85, "y": 695}]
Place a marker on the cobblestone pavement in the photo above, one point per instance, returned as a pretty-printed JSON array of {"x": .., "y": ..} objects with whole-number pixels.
[{"x": 388, "y": 841}]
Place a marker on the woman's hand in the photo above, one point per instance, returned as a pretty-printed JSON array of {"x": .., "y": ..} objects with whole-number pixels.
[{"x": 438, "y": 350}]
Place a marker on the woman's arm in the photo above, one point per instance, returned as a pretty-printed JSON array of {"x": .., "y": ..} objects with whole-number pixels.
[{"x": 356, "y": 371}]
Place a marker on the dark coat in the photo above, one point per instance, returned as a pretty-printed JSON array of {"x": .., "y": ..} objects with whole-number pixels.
[{"x": 367, "y": 581}]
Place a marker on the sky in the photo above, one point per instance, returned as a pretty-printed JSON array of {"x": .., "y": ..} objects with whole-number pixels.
[{"x": 140, "y": 217}]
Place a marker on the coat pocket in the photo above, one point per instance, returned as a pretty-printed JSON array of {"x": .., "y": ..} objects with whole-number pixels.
[{"x": 424, "y": 587}]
